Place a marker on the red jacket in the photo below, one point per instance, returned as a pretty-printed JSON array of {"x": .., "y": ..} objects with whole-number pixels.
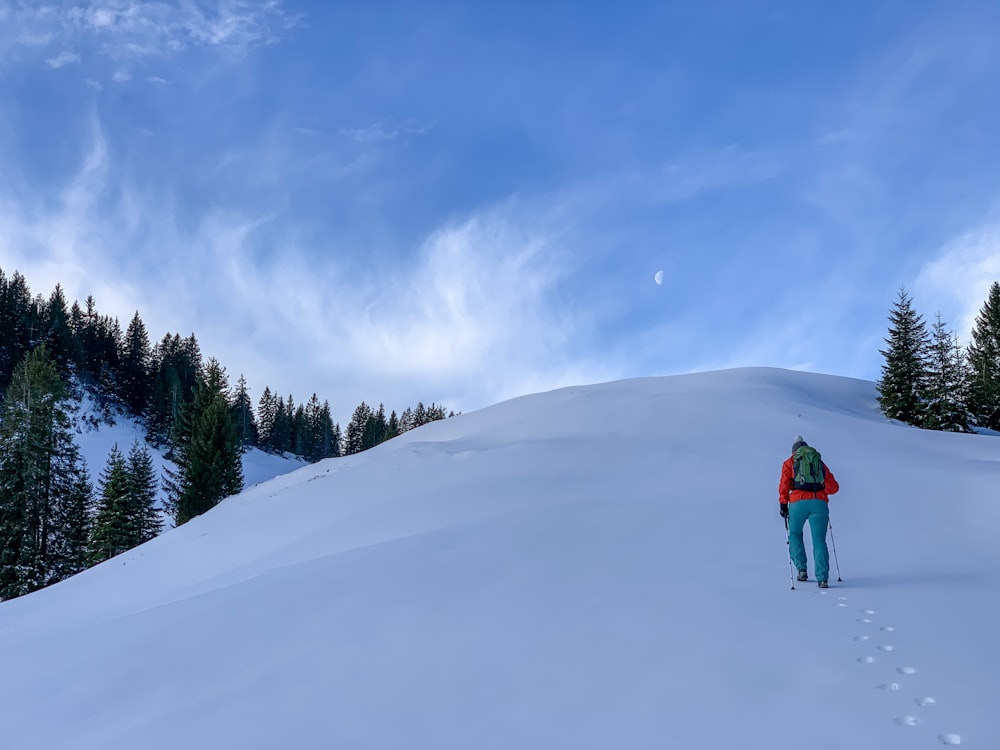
[{"x": 788, "y": 495}]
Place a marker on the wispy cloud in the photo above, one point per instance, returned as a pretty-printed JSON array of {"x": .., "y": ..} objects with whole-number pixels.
[
  {"x": 956, "y": 282},
  {"x": 469, "y": 316},
  {"x": 63, "y": 58},
  {"x": 132, "y": 32},
  {"x": 379, "y": 131}
]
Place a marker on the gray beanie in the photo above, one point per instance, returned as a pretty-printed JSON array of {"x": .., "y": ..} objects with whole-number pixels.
[{"x": 798, "y": 443}]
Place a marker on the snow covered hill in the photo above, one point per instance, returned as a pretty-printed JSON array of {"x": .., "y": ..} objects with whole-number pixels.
[{"x": 594, "y": 567}]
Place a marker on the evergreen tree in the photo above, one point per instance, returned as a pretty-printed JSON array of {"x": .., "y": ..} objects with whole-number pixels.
[
  {"x": 113, "y": 531},
  {"x": 127, "y": 514},
  {"x": 301, "y": 439},
  {"x": 984, "y": 363},
  {"x": 243, "y": 417},
  {"x": 58, "y": 335},
  {"x": 74, "y": 517},
  {"x": 375, "y": 429},
  {"x": 267, "y": 413},
  {"x": 945, "y": 407},
  {"x": 904, "y": 375},
  {"x": 40, "y": 477},
  {"x": 142, "y": 487},
  {"x": 207, "y": 450},
  {"x": 354, "y": 440},
  {"x": 134, "y": 376},
  {"x": 177, "y": 364},
  {"x": 17, "y": 319}
]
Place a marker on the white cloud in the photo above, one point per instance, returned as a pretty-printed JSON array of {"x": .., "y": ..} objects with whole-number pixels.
[
  {"x": 157, "y": 80},
  {"x": 122, "y": 75},
  {"x": 63, "y": 58},
  {"x": 134, "y": 31},
  {"x": 957, "y": 281},
  {"x": 469, "y": 318}
]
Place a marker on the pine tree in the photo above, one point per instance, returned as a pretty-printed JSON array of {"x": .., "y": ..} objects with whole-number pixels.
[
  {"x": 354, "y": 440},
  {"x": 207, "y": 450},
  {"x": 112, "y": 532},
  {"x": 40, "y": 477},
  {"x": 267, "y": 412},
  {"x": 984, "y": 363},
  {"x": 74, "y": 518},
  {"x": 375, "y": 429},
  {"x": 17, "y": 319},
  {"x": 58, "y": 335},
  {"x": 177, "y": 367},
  {"x": 142, "y": 489},
  {"x": 945, "y": 407},
  {"x": 904, "y": 374},
  {"x": 134, "y": 376},
  {"x": 243, "y": 417}
]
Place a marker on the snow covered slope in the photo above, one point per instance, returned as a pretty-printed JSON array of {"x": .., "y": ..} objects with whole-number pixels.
[{"x": 595, "y": 567}]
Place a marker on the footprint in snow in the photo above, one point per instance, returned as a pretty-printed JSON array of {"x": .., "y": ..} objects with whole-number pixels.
[
  {"x": 840, "y": 604},
  {"x": 887, "y": 647},
  {"x": 950, "y": 739},
  {"x": 907, "y": 721},
  {"x": 864, "y": 619},
  {"x": 924, "y": 701},
  {"x": 892, "y": 687},
  {"x": 887, "y": 629},
  {"x": 868, "y": 611},
  {"x": 907, "y": 670},
  {"x": 861, "y": 638},
  {"x": 866, "y": 660}
]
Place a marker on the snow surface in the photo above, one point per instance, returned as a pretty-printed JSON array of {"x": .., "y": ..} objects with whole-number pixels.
[{"x": 594, "y": 567}]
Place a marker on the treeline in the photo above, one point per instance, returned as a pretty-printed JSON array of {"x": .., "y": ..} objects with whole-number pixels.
[
  {"x": 121, "y": 370},
  {"x": 930, "y": 380},
  {"x": 53, "y": 521}
]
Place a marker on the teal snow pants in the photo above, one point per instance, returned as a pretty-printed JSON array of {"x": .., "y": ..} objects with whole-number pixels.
[{"x": 817, "y": 512}]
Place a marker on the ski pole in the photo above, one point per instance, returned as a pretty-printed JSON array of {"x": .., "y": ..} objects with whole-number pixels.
[
  {"x": 788, "y": 543},
  {"x": 834, "y": 542}
]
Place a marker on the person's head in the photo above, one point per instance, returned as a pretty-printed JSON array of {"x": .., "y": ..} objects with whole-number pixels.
[{"x": 798, "y": 443}]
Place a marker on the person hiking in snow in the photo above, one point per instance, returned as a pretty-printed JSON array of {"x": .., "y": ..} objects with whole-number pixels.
[{"x": 804, "y": 494}]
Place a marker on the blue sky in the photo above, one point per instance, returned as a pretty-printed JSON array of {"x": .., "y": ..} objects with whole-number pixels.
[{"x": 462, "y": 202}]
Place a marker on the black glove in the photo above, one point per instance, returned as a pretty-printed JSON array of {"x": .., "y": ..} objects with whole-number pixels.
[{"x": 783, "y": 509}]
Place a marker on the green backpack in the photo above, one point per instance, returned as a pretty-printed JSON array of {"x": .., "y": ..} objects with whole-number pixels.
[{"x": 807, "y": 467}]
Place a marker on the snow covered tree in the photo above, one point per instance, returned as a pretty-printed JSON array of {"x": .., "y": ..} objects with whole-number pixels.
[
  {"x": 206, "y": 449},
  {"x": 945, "y": 395},
  {"x": 41, "y": 476},
  {"x": 984, "y": 363},
  {"x": 904, "y": 375}
]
